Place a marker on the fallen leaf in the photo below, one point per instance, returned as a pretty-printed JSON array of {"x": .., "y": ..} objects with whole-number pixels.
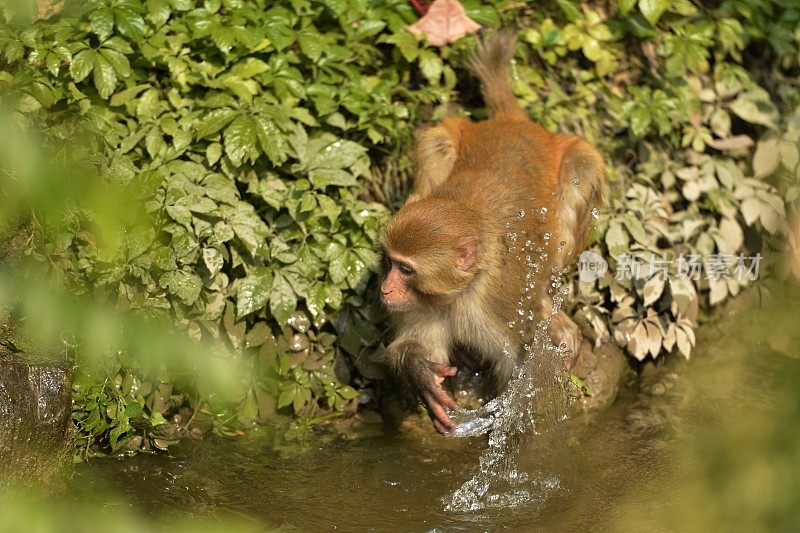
[{"x": 445, "y": 22}]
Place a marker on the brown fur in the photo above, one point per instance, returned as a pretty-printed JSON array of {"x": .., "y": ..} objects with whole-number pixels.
[{"x": 473, "y": 181}]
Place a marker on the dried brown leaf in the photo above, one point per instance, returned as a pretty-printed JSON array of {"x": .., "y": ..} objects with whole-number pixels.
[{"x": 445, "y": 22}]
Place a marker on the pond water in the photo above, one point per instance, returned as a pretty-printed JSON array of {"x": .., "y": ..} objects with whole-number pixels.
[{"x": 709, "y": 444}]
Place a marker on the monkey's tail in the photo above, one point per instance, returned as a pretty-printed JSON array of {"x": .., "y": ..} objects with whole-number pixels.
[
  {"x": 582, "y": 177},
  {"x": 490, "y": 65}
]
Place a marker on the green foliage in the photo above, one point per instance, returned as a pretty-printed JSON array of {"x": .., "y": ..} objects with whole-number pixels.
[
  {"x": 257, "y": 136},
  {"x": 248, "y": 131}
]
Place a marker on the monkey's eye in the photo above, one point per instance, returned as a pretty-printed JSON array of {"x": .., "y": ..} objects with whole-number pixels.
[{"x": 405, "y": 269}]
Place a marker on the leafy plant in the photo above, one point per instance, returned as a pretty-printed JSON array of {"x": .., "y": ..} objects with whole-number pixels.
[{"x": 264, "y": 141}]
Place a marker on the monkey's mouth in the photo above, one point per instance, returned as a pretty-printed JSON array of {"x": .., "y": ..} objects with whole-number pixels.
[{"x": 394, "y": 307}]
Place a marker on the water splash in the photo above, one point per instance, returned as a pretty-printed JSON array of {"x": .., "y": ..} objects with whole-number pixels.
[{"x": 535, "y": 401}]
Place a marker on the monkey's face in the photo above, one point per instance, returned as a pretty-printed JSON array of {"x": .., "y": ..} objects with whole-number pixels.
[
  {"x": 431, "y": 250},
  {"x": 397, "y": 287}
]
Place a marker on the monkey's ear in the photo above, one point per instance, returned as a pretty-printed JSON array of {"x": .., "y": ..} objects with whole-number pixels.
[{"x": 466, "y": 253}]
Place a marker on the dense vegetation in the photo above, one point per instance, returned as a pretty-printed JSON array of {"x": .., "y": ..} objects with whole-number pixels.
[{"x": 267, "y": 142}]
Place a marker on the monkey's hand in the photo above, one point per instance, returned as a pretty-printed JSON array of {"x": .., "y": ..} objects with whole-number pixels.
[
  {"x": 408, "y": 360},
  {"x": 429, "y": 388}
]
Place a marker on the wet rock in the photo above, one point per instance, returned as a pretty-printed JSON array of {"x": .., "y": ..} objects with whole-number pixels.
[
  {"x": 35, "y": 428},
  {"x": 602, "y": 370}
]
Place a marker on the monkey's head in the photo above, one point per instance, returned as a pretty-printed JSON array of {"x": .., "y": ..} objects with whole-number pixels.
[{"x": 432, "y": 251}]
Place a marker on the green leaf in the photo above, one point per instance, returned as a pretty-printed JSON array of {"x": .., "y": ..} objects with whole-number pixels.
[
  {"x": 224, "y": 38},
  {"x": 164, "y": 258},
  {"x": 282, "y": 300},
  {"x": 213, "y": 153},
  {"x": 119, "y": 44},
  {"x": 197, "y": 204},
  {"x": 154, "y": 142},
  {"x": 253, "y": 293},
  {"x": 248, "y": 231},
  {"x": 182, "y": 5},
  {"x": 347, "y": 392},
  {"x": 27, "y": 104},
  {"x": 485, "y": 15},
  {"x": 132, "y": 410},
  {"x": 635, "y": 228},
  {"x": 339, "y": 154},
  {"x": 158, "y": 11},
  {"x": 653, "y": 9},
  {"x": 14, "y": 51},
  {"x": 240, "y": 138},
  {"x": 287, "y": 395},
  {"x": 102, "y": 22},
  {"x": 750, "y": 210},
  {"x": 308, "y": 202},
  {"x": 570, "y": 10},
  {"x": 625, "y": 6},
  {"x": 368, "y": 28},
  {"x": 184, "y": 285},
  {"x": 311, "y": 44},
  {"x": 322, "y": 177},
  {"x": 81, "y": 65},
  {"x": 213, "y": 121},
  {"x": 279, "y": 34},
  {"x": 120, "y": 63},
  {"x": 431, "y": 66},
  {"x": 249, "y": 68},
  {"x": 592, "y": 49},
  {"x": 329, "y": 207},
  {"x": 149, "y": 104},
  {"x": 105, "y": 79},
  {"x": 271, "y": 140},
  {"x": 406, "y": 43},
  {"x": 125, "y": 96},
  {"x": 130, "y": 24}
]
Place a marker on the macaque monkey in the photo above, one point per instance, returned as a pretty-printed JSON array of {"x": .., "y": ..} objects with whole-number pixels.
[{"x": 497, "y": 209}]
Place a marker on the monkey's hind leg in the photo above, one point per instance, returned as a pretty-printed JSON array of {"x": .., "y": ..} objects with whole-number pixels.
[{"x": 564, "y": 330}]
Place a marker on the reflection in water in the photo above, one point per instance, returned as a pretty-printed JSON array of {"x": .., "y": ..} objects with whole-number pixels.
[{"x": 713, "y": 444}]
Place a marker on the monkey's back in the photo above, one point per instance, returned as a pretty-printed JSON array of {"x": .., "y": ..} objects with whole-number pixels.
[
  {"x": 508, "y": 171},
  {"x": 503, "y": 166}
]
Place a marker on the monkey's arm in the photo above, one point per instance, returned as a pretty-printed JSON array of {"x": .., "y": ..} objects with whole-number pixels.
[{"x": 408, "y": 360}]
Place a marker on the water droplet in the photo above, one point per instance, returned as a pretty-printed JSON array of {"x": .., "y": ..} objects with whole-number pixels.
[
  {"x": 595, "y": 213},
  {"x": 521, "y": 213}
]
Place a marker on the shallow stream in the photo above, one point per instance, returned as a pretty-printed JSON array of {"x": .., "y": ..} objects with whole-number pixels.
[{"x": 712, "y": 444}]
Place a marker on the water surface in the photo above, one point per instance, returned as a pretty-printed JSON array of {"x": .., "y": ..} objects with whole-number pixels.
[{"x": 712, "y": 443}]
